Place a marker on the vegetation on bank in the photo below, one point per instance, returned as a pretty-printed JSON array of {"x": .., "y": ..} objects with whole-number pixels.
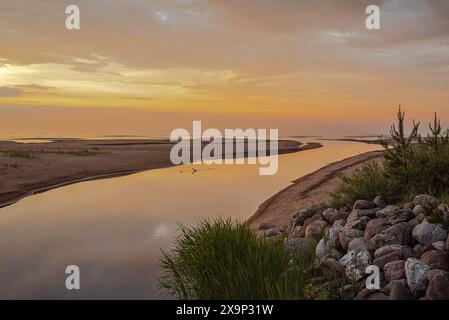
[
  {"x": 412, "y": 165},
  {"x": 224, "y": 259}
]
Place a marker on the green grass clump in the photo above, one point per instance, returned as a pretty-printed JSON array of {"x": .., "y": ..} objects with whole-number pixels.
[
  {"x": 223, "y": 259},
  {"x": 17, "y": 153}
]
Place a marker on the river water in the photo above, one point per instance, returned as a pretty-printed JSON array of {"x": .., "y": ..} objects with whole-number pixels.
[{"x": 114, "y": 229}]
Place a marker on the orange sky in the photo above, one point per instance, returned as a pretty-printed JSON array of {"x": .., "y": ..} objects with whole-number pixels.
[{"x": 148, "y": 66}]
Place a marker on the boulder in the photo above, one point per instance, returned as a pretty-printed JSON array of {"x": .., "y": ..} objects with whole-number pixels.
[
  {"x": 305, "y": 214},
  {"x": 404, "y": 252},
  {"x": 383, "y": 260},
  {"x": 382, "y": 240},
  {"x": 394, "y": 270},
  {"x": 436, "y": 259},
  {"x": 358, "y": 244},
  {"x": 316, "y": 230},
  {"x": 439, "y": 245},
  {"x": 379, "y": 202},
  {"x": 331, "y": 269},
  {"x": 339, "y": 223},
  {"x": 307, "y": 222},
  {"x": 416, "y": 273},
  {"x": 347, "y": 236},
  {"x": 399, "y": 291},
  {"x": 328, "y": 244},
  {"x": 419, "y": 209},
  {"x": 427, "y": 233},
  {"x": 364, "y": 204},
  {"x": 331, "y": 215},
  {"x": 387, "y": 211},
  {"x": 375, "y": 226},
  {"x": 447, "y": 243},
  {"x": 355, "y": 264},
  {"x": 359, "y": 224},
  {"x": 401, "y": 216},
  {"x": 397, "y": 234},
  {"x": 370, "y": 213},
  {"x": 426, "y": 200},
  {"x": 438, "y": 288}
]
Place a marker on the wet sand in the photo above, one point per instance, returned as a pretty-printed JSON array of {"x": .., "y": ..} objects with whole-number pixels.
[
  {"x": 305, "y": 191},
  {"x": 29, "y": 168}
]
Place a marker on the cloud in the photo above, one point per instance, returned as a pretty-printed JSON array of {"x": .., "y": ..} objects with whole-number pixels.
[{"x": 7, "y": 92}]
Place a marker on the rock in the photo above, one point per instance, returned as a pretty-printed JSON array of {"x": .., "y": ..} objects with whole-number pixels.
[
  {"x": 427, "y": 233},
  {"x": 426, "y": 200},
  {"x": 305, "y": 214},
  {"x": 447, "y": 243},
  {"x": 436, "y": 259},
  {"x": 438, "y": 288},
  {"x": 387, "y": 211},
  {"x": 331, "y": 215},
  {"x": 347, "y": 236},
  {"x": 394, "y": 270},
  {"x": 374, "y": 227},
  {"x": 331, "y": 269},
  {"x": 392, "y": 283},
  {"x": 359, "y": 224},
  {"x": 404, "y": 251},
  {"x": 339, "y": 223},
  {"x": 399, "y": 291},
  {"x": 370, "y": 213},
  {"x": 355, "y": 264},
  {"x": 354, "y": 215},
  {"x": 328, "y": 244},
  {"x": 299, "y": 244},
  {"x": 363, "y": 204},
  {"x": 307, "y": 222},
  {"x": 319, "y": 207},
  {"x": 419, "y": 209},
  {"x": 275, "y": 232},
  {"x": 266, "y": 226},
  {"x": 297, "y": 222},
  {"x": 358, "y": 244},
  {"x": 383, "y": 260},
  {"x": 416, "y": 273},
  {"x": 439, "y": 245},
  {"x": 379, "y": 202},
  {"x": 377, "y": 296},
  {"x": 401, "y": 216},
  {"x": 396, "y": 234},
  {"x": 315, "y": 230}
]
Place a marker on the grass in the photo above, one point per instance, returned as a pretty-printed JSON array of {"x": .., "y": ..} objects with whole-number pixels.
[
  {"x": 26, "y": 154},
  {"x": 224, "y": 259}
]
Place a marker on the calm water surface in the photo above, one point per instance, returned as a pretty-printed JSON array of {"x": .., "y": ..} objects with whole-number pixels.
[{"x": 114, "y": 229}]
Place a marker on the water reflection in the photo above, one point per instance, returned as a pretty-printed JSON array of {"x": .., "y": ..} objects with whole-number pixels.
[{"x": 114, "y": 229}]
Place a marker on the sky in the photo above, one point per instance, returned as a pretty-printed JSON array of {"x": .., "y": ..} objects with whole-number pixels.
[{"x": 150, "y": 66}]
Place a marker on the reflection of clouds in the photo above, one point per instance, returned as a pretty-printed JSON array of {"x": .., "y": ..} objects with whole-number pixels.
[{"x": 160, "y": 231}]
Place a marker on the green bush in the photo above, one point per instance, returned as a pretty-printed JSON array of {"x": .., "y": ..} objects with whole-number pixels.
[
  {"x": 411, "y": 165},
  {"x": 222, "y": 259}
]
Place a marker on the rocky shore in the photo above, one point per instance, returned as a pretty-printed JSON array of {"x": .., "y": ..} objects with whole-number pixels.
[{"x": 405, "y": 243}]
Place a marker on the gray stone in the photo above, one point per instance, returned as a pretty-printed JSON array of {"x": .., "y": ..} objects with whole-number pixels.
[
  {"x": 347, "y": 236},
  {"x": 339, "y": 223},
  {"x": 355, "y": 264},
  {"x": 419, "y": 209},
  {"x": 427, "y": 233},
  {"x": 427, "y": 201},
  {"x": 387, "y": 211},
  {"x": 315, "y": 230},
  {"x": 401, "y": 216},
  {"x": 416, "y": 273},
  {"x": 404, "y": 252},
  {"x": 364, "y": 204},
  {"x": 328, "y": 244},
  {"x": 359, "y": 224},
  {"x": 299, "y": 244},
  {"x": 394, "y": 270},
  {"x": 331, "y": 215},
  {"x": 379, "y": 202},
  {"x": 439, "y": 245},
  {"x": 358, "y": 244}
]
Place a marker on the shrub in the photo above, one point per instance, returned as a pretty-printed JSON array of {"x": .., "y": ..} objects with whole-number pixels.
[
  {"x": 222, "y": 259},
  {"x": 411, "y": 165}
]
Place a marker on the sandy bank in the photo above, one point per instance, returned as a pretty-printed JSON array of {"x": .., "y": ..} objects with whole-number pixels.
[
  {"x": 31, "y": 168},
  {"x": 307, "y": 190}
]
